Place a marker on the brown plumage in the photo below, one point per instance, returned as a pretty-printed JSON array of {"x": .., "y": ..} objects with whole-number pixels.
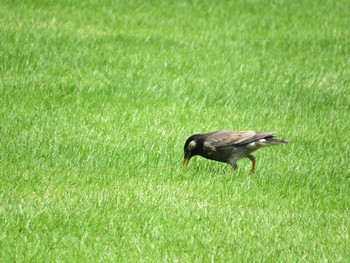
[{"x": 228, "y": 146}]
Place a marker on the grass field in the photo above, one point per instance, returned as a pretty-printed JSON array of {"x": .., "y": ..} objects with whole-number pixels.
[{"x": 98, "y": 97}]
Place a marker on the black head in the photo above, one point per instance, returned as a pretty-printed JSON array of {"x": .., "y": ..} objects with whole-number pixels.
[{"x": 190, "y": 148}]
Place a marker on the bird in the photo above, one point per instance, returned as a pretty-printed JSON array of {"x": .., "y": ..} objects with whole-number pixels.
[{"x": 228, "y": 146}]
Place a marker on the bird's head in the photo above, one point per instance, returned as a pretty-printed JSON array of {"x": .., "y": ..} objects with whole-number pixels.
[{"x": 190, "y": 148}]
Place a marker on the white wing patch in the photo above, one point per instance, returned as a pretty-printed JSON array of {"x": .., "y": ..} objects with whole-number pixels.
[
  {"x": 251, "y": 145},
  {"x": 255, "y": 144}
]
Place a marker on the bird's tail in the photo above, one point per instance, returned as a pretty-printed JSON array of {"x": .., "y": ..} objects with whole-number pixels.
[
  {"x": 272, "y": 141},
  {"x": 264, "y": 142}
]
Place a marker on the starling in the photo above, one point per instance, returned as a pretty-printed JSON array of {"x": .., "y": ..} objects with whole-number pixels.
[{"x": 228, "y": 146}]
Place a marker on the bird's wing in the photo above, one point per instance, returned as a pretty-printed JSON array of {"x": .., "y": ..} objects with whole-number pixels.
[{"x": 220, "y": 139}]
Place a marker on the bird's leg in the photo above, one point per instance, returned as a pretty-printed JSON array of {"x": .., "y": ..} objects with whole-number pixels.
[
  {"x": 252, "y": 158},
  {"x": 233, "y": 164}
]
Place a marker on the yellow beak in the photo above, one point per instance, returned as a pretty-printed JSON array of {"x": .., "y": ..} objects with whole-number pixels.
[{"x": 186, "y": 161}]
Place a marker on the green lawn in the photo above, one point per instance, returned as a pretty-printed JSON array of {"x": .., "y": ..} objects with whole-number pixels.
[{"x": 97, "y": 99}]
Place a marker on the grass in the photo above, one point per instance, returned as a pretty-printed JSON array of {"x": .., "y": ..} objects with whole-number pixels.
[{"x": 98, "y": 97}]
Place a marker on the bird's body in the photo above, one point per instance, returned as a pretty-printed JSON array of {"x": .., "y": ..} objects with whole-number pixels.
[{"x": 228, "y": 146}]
